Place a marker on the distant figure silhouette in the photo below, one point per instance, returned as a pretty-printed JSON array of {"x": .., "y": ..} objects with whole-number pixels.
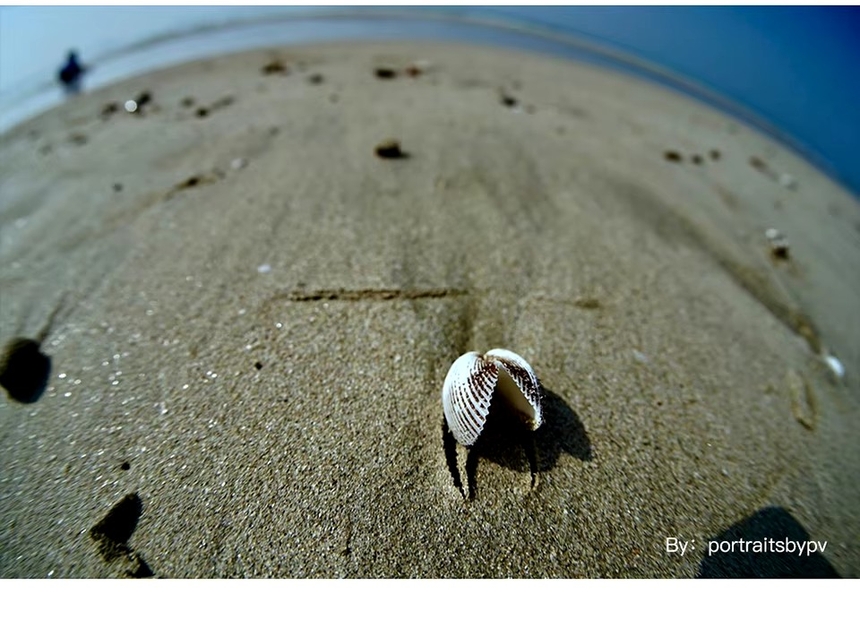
[{"x": 70, "y": 74}]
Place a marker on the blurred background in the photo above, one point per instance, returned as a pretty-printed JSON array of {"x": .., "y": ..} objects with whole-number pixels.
[{"x": 790, "y": 71}]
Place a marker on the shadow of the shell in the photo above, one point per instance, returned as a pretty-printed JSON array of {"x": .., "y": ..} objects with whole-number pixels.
[{"x": 507, "y": 442}]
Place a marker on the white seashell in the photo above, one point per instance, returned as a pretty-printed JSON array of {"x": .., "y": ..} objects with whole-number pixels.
[{"x": 469, "y": 386}]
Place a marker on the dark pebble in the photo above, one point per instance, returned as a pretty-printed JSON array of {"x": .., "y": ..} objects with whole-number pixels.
[
  {"x": 390, "y": 149},
  {"x": 274, "y": 67},
  {"x": 24, "y": 370}
]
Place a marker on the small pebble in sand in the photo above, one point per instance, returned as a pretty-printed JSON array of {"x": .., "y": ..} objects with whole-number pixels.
[
  {"x": 130, "y": 106},
  {"x": 640, "y": 357},
  {"x": 508, "y": 101},
  {"x": 274, "y": 67},
  {"x": 385, "y": 73},
  {"x": 778, "y": 243},
  {"x": 835, "y": 366},
  {"x": 316, "y": 79},
  {"x": 470, "y": 385},
  {"x": 117, "y": 187},
  {"x": 758, "y": 163},
  {"x": 714, "y": 154},
  {"x": 264, "y": 268},
  {"x": 390, "y": 149},
  {"x": 238, "y": 163},
  {"x": 672, "y": 155},
  {"x": 697, "y": 159},
  {"x": 787, "y": 181}
]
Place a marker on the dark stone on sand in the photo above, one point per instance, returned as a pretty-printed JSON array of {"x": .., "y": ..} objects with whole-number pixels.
[
  {"x": 390, "y": 149},
  {"x": 24, "y": 370},
  {"x": 674, "y": 156},
  {"x": 274, "y": 67},
  {"x": 385, "y": 73}
]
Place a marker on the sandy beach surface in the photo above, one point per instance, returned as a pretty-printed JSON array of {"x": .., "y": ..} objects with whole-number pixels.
[{"x": 249, "y": 316}]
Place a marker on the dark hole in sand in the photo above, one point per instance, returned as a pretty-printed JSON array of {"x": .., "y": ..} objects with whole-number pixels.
[
  {"x": 385, "y": 73},
  {"x": 190, "y": 182},
  {"x": 113, "y": 532},
  {"x": 24, "y": 370},
  {"x": 125, "y": 466},
  {"x": 390, "y": 149},
  {"x": 508, "y": 101},
  {"x": 117, "y": 187},
  {"x": 187, "y": 102},
  {"x": 772, "y": 523},
  {"x": 258, "y": 365},
  {"x": 714, "y": 154},
  {"x": 316, "y": 79},
  {"x": 201, "y": 112},
  {"x": 697, "y": 159},
  {"x": 506, "y": 441},
  {"x": 674, "y": 156}
]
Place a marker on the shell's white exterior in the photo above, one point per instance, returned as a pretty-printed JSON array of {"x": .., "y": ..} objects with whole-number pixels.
[{"x": 469, "y": 386}]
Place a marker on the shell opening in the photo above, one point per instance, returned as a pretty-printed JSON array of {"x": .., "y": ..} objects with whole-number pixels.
[{"x": 515, "y": 398}]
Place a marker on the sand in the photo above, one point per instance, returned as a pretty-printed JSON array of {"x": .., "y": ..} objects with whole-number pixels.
[{"x": 253, "y": 315}]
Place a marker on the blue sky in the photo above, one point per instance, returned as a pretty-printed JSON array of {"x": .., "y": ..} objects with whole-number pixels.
[{"x": 798, "y": 67}]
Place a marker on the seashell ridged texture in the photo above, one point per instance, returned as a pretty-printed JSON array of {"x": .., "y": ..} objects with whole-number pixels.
[{"x": 469, "y": 386}]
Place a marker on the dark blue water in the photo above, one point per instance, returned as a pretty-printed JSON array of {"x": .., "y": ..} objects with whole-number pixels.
[{"x": 791, "y": 71}]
